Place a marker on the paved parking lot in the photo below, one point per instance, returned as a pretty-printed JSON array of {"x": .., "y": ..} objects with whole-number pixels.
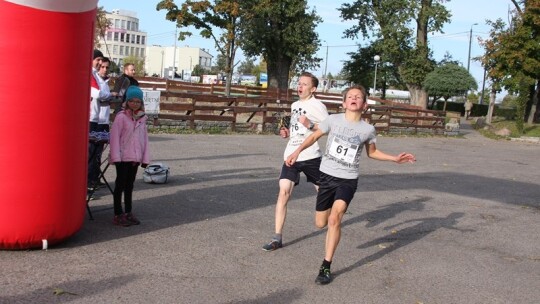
[{"x": 459, "y": 226}]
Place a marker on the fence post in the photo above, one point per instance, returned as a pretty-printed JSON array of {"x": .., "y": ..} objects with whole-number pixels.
[{"x": 233, "y": 126}]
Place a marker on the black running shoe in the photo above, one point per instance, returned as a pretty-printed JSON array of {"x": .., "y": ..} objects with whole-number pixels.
[
  {"x": 273, "y": 245},
  {"x": 324, "y": 276}
]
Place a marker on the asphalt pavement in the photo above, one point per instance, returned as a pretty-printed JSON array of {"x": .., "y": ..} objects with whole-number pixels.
[{"x": 461, "y": 225}]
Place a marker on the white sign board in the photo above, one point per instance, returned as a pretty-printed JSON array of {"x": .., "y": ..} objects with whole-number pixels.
[{"x": 151, "y": 103}]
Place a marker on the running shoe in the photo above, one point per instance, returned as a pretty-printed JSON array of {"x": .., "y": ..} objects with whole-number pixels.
[{"x": 273, "y": 245}]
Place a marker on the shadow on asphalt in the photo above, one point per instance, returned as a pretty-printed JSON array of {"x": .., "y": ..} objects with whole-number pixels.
[
  {"x": 213, "y": 157},
  {"x": 403, "y": 237},
  {"x": 205, "y": 201},
  {"x": 202, "y": 200},
  {"x": 373, "y": 218},
  {"x": 70, "y": 291},
  {"x": 474, "y": 186}
]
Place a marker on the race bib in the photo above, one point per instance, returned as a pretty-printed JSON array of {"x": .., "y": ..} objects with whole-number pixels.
[
  {"x": 343, "y": 150},
  {"x": 298, "y": 129}
]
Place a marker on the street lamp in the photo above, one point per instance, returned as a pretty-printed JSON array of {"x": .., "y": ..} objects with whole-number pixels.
[
  {"x": 326, "y": 60},
  {"x": 377, "y": 58},
  {"x": 470, "y": 41}
]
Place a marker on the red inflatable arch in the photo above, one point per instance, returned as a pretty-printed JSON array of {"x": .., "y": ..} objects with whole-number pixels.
[{"x": 46, "y": 53}]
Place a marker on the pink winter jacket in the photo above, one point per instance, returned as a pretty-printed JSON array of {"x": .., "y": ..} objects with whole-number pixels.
[{"x": 129, "y": 139}]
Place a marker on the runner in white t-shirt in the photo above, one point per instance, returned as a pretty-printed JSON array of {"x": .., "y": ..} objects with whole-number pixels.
[{"x": 306, "y": 114}]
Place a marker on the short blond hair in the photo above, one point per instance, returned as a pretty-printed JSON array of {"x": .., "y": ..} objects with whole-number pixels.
[{"x": 358, "y": 87}]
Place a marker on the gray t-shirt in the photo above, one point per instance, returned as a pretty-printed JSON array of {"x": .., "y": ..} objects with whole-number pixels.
[{"x": 345, "y": 143}]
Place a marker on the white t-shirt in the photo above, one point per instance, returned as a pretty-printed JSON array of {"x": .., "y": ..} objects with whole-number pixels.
[
  {"x": 104, "y": 93},
  {"x": 316, "y": 112}
]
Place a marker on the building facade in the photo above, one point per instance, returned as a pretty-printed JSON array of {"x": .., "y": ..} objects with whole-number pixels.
[
  {"x": 160, "y": 60},
  {"x": 123, "y": 38}
]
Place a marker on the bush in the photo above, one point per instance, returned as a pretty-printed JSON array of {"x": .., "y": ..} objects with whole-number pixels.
[{"x": 507, "y": 113}]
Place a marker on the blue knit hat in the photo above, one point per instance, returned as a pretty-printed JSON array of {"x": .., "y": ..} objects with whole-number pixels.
[{"x": 134, "y": 92}]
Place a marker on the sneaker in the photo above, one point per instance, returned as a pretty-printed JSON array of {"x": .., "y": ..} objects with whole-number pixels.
[
  {"x": 121, "y": 220},
  {"x": 324, "y": 276},
  {"x": 273, "y": 245},
  {"x": 132, "y": 219}
]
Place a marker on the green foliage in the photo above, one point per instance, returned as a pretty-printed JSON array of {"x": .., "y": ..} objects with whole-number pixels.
[
  {"x": 283, "y": 33},
  {"x": 246, "y": 67},
  {"x": 219, "y": 21},
  {"x": 507, "y": 113},
  {"x": 509, "y": 101},
  {"x": 402, "y": 27},
  {"x": 449, "y": 80},
  {"x": 102, "y": 23},
  {"x": 198, "y": 70},
  {"x": 220, "y": 63},
  {"x": 512, "y": 54},
  {"x": 361, "y": 68}
]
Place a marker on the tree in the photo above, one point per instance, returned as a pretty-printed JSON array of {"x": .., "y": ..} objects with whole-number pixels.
[
  {"x": 198, "y": 70},
  {"x": 283, "y": 32},
  {"x": 221, "y": 62},
  {"x": 101, "y": 25},
  {"x": 209, "y": 18},
  {"x": 246, "y": 66},
  {"x": 512, "y": 57},
  {"x": 448, "y": 80},
  {"x": 361, "y": 69},
  {"x": 404, "y": 47}
]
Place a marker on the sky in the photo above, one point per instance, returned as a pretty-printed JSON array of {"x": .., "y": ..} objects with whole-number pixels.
[{"x": 466, "y": 15}]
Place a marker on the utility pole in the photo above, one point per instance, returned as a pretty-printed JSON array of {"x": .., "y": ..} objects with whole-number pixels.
[
  {"x": 174, "y": 54},
  {"x": 470, "y": 42}
]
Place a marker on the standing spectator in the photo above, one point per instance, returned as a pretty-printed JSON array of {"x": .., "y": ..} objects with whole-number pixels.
[
  {"x": 347, "y": 135},
  {"x": 105, "y": 97},
  {"x": 468, "y": 108},
  {"x": 306, "y": 114},
  {"x": 129, "y": 149},
  {"x": 123, "y": 82},
  {"x": 93, "y": 147}
]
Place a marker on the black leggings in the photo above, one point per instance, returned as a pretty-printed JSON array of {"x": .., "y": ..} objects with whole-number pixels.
[{"x": 125, "y": 177}]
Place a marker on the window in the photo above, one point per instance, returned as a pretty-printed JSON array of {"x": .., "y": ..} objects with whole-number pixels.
[
  {"x": 132, "y": 51},
  {"x": 138, "y": 39},
  {"x": 135, "y": 26},
  {"x": 115, "y": 50},
  {"x": 132, "y": 38},
  {"x": 116, "y": 23},
  {"x": 123, "y": 24},
  {"x": 127, "y": 51},
  {"x": 129, "y": 25},
  {"x": 109, "y": 36},
  {"x": 143, "y": 39},
  {"x": 136, "y": 52},
  {"x": 115, "y": 36},
  {"x": 121, "y": 50},
  {"x": 142, "y": 52},
  {"x": 122, "y": 37}
]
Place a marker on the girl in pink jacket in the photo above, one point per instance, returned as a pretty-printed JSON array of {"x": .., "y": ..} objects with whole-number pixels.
[{"x": 128, "y": 150}]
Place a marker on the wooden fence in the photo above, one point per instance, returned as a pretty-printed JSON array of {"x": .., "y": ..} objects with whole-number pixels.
[{"x": 205, "y": 103}]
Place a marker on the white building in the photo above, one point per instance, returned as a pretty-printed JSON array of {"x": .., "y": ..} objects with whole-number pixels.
[
  {"x": 161, "y": 59},
  {"x": 123, "y": 38}
]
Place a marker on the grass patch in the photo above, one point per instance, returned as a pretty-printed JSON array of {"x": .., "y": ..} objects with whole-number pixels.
[{"x": 498, "y": 123}]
